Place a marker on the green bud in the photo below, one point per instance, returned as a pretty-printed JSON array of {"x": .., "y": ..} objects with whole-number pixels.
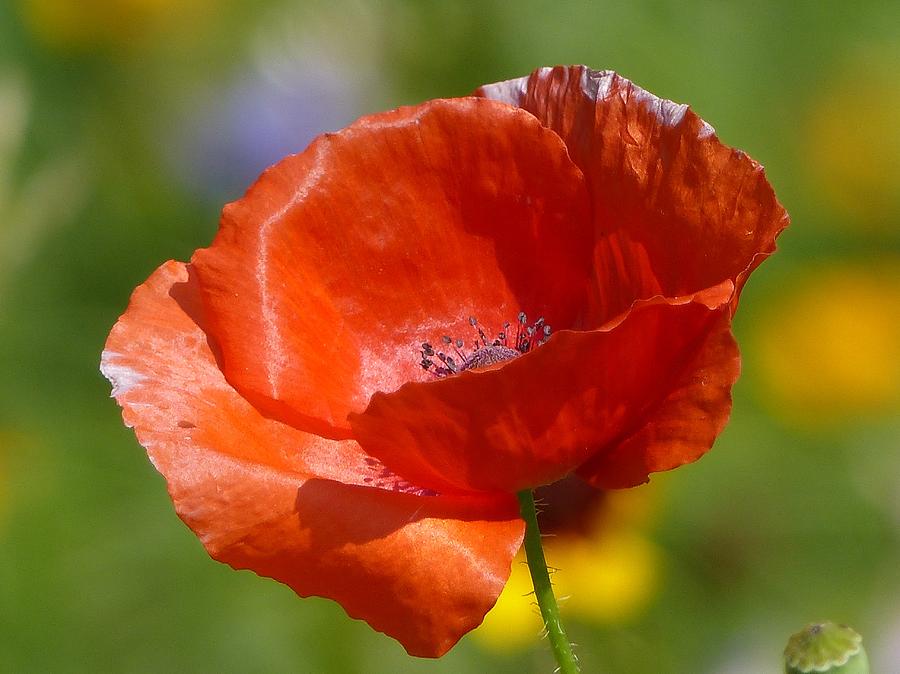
[{"x": 825, "y": 647}]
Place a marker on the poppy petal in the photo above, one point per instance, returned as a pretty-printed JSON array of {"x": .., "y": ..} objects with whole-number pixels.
[
  {"x": 339, "y": 262},
  {"x": 424, "y": 570},
  {"x": 683, "y": 426},
  {"x": 542, "y": 415},
  {"x": 675, "y": 210},
  {"x": 292, "y": 506}
]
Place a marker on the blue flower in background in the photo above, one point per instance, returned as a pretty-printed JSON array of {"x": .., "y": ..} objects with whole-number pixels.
[
  {"x": 257, "y": 121},
  {"x": 304, "y": 80}
]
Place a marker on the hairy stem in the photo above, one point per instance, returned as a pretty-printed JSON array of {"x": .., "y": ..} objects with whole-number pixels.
[{"x": 543, "y": 590}]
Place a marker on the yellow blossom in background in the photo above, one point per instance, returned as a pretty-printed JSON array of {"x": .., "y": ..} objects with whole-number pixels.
[
  {"x": 86, "y": 24},
  {"x": 514, "y": 621},
  {"x": 829, "y": 349},
  {"x": 606, "y": 573},
  {"x": 13, "y": 445},
  {"x": 608, "y": 580},
  {"x": 852, "y": 147},
  {"x": 4, "y": 482}
]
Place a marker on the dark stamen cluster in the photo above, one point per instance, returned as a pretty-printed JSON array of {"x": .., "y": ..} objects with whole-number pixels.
[{"x": 484, "y": 351}]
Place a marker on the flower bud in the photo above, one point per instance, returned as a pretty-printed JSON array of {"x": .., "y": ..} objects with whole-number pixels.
[{"x": 825, "y": 647}]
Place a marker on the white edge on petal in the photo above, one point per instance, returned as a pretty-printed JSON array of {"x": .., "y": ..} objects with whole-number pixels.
[
  {"x": 508, "y": 91},
  {"x": 669, "y": 113},
  {"x": 122, "y": 377},
  {"x": 598, "y": 84}
]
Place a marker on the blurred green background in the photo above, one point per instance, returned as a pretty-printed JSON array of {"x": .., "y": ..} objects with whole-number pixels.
[{"x": 126, "y": 124}]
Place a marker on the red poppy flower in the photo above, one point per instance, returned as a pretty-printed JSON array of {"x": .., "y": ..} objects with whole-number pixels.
[{"x": 286, "y": 384}]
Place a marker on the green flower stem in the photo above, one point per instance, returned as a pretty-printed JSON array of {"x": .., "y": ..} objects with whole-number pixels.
[{"x": 543, "y": 590}]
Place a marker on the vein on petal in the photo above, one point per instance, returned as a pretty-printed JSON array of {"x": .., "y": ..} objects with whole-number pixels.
[{"x": 277, "y": 357}]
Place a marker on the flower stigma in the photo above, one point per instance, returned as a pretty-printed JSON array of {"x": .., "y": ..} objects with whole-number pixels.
[{"x": 484, "y": 352}]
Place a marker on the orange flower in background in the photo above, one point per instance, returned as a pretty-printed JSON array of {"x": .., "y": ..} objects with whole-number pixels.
[{"x": 348, "y": 387}]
